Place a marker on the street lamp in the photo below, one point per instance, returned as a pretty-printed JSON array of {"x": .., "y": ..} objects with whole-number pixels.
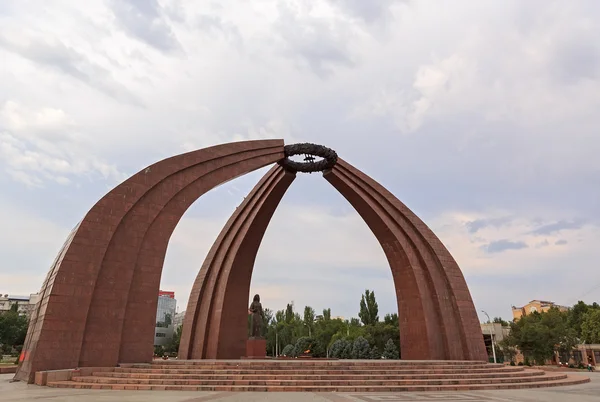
[{"x": 491, "y": 334}]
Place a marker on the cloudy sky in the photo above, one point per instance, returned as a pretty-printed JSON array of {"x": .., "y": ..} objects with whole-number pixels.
[{"x": 482, "y": 116}]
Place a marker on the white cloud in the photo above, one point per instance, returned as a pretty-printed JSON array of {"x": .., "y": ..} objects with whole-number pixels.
[
  {"x": 474, "y": 107},
  {"x": 44, "y": 145}
]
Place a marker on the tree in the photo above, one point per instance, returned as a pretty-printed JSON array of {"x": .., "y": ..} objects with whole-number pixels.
[
  {"x": 347, "y": 352},
  {"x": 337, "y": 348},
  {"x": 499, "y": 320},
  {"x": 309, "y": 318},
  {"x": 368, "y": 308},
  {"x": 576, "y": 316},
  {"x": 288, "y": 350},
  {"x": 327, "y": 314},
  {"x": 538, "y": 335},
  {"x": 391, "y": 319},
  {"x": 13, "y": 329},
  {"x": 375, "y": 354},
  {"x": 173, "y": 345},
  {"x": 390, "y": 351},
  {"x": 507, "y": 350},
  {"x": 303, "y": 345},
  {"x": 361, "y": 348},
  {"x": 590, "y": 326}
]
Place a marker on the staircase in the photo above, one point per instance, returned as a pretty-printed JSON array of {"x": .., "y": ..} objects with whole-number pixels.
[{"x": 317, "y": 376}]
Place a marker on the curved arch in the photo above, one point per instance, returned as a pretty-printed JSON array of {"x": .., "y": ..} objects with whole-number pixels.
[
  {"x": 223, "y": 283},
  {"x": 98, "y": 301},
  {"x": 113, "y": 262},
  {"x": 430, "y": 288}
]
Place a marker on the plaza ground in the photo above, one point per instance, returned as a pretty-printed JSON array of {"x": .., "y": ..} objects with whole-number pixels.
[{"x": 20, "y": 392}]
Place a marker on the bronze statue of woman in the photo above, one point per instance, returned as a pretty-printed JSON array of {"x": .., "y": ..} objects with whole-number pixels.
[{"x": 257, "y": 317}]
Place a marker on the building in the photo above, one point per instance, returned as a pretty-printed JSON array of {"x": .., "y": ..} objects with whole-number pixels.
[
  {"x": 25, "y": 304},
  {"x": 178, "y": 320},
  {"x": 535, "y": 306},
  {"x": 498, "y": 332},
  {"x": 165, "y": 316}
]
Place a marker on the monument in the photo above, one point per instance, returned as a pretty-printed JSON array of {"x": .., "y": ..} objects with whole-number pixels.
[
  {"x": 98, "y": 302},
  {"x": 256, "y": 345}
]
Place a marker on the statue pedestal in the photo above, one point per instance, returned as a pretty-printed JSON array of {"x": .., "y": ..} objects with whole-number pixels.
[{"x": 256, "y": 348}]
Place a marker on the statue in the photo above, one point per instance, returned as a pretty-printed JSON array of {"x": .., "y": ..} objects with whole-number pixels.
[{"x": 257, "y": 318}]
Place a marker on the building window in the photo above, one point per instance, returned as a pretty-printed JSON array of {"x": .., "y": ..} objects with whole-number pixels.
[{"x": 161, "y": 335}]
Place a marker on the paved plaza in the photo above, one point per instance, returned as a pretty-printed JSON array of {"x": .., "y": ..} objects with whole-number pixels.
[{"x": 20, "y": 392}]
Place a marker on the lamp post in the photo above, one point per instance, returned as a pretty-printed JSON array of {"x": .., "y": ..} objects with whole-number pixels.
[{"x": 491, "y": 334}]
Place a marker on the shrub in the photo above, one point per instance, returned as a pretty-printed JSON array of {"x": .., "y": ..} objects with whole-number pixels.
[
  {"x": 375, "y": 354},
  {"x": 361, "y": 348},
  {"x": 520, "y": 364},
  {"x": 288, "y": 350},
  {"x": 390, "y": 351},
  {"x": 337, "y": 348},
  {"x": 512, "y": 363},
  {"x": 303, "y": 344},
  {"x": 347, "y": 353}
]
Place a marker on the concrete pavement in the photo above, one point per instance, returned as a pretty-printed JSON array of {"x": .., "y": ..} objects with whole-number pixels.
[{"x": 20, "y": 392}]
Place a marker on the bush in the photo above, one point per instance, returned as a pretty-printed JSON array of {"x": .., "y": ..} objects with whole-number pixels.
[
  {"x": 288, "y": 351},
  {"x": 520, "y": 364},
  {"x": 375, "y": 354},
  {"x": 337, "y": 349},
  {"x": 347, "y": 353},
  {"x": 512, "y": 363},
  {"x": 361, "y": 348},
  {"x": 390, "y": 351},
  {"x": 303, "y": 344}
]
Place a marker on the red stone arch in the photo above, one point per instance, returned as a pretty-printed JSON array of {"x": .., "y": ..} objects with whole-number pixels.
[
  {"x": 98, "y": 302},
  {"x": 430, "y": 288}
]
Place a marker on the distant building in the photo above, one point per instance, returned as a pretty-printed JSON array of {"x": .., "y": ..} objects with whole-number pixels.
[
  {"x": 178, "y": 320},
  {"x": 165, "y": 318},
  {"x": 533, "y": 306},
  {"x": 25, "y": 304}
]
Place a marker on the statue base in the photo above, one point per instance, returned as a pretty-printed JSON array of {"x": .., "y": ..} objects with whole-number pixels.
[{"x": 256, "y": 348}]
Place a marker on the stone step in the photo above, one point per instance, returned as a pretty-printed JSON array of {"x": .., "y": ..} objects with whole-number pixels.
[
  {"x": 349, "y": 376},
  {"x": 320, "y": 383},
  {"x": 317, "y": 362},
  {"x": 567, "y": 380},
  {"x": 336, "y": 366},
  {"x": 306, "y": 371}
]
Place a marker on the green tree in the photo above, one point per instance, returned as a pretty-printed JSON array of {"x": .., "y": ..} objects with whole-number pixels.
[
  {"x": 361, "y": 348},
  {"x": 309, "y": 319},
  {"x": 173, "y": 345},
  {"x": 303, "y": 345},
  {"x": 327, "y": 314},
  {"x": 538, "y": 335},
  {"x": 288, "y": 350},
  {"x": 391, "y": 319},
  {"x": 576, "y": 316},
  {"x": 13, "y": 329},
  {"x": 375, "y": 353},
  {"x": 347, "y": 352},
  {"x": 499, "y": 320},
  {"x": 590, "y": 326},
  {"x": 369, "y": 309},
  {"x": 337, "y": 348},
  {"x": 390, "y": 351}
]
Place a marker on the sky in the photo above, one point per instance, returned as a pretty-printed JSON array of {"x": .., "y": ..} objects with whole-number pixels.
[{"x": 482, "y": 117}]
